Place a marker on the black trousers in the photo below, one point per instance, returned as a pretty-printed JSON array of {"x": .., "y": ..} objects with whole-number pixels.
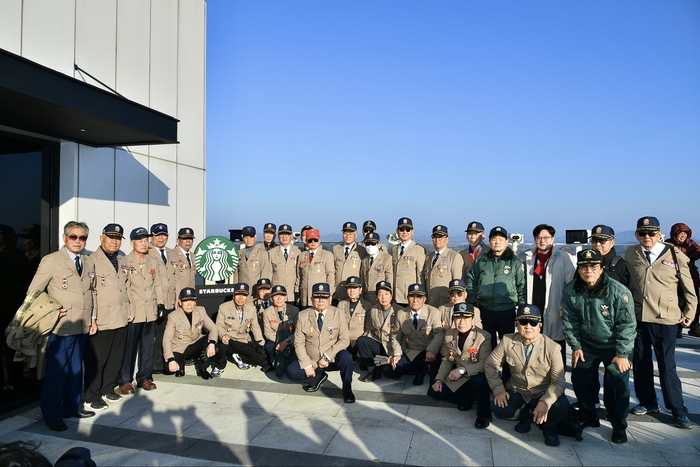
[
  {"x": 104, "y": 354},
  {"x": 557, "y": 412},
  {"x": 158, "y": 361},
  {"x": 477, "y": 385},
  {"x": 194, "y": 351},
  {"x": 368, "y": 349},
  {"x": 140, "y": 338},
  {"x": 498, "y": 322},
  {"x": 247, "y": 353}
]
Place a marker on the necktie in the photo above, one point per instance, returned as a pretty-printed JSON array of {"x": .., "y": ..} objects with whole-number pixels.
[
  {"x": 402, "y": 249},
  {"x": 319, "y": 321},
  {"x": 286, "y": 256},
  {"x": 162, "y": 255},
  {"x": 311, "y": 257},
  {"x": 647, "y": 253},
  {"x": 240, "y": 316},
  {"x": 371, "y": 260},
  {"x": 347, "y": 252},
  {"x": 281, "y": 315},
  {"x": 437, "y": 255},
  {"x": 415, "y": 320},
  {"x": 78, "y": 266},
  {"x": 266, "y": 304},
  {"x": 187, "y": 255}
]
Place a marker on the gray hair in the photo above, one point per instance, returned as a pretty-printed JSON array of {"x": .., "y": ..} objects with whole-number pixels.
[{"x": 74, "y": 224}]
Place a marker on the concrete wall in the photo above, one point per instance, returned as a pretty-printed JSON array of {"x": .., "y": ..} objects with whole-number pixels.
[{"x": 152, "y": 52}]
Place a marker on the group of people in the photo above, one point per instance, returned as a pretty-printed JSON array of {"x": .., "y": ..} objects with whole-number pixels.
[{"x": 447, "y": 315}]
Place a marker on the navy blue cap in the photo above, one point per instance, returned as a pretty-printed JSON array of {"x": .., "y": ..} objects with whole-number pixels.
[
  {"x": 7, "y": 231},
  {"x": 270, "y": 227},
  {"x": 498, "y": 230},
  {"x": 188, "y": 293},
  {"x": 278, "y": 290},
  {"x": 589, "y": 257},
  {"x": 416, "y": 289},
  {"x": 305, "y": 228},
  {"x": 320, "y": 290},
  {"x": 138, "y": 233},
  {"x": 475, "y": 226},
  {"x": 384, "y": 285},
  {"x": 349, "y": 227},
  {"x": 285, "y": 228},
  {"x": 248, "y": 231},
  {"x": 369, "y": 225},
  {"x": 458, "y": 284},
  {"x": 405, "y": 222},
  {"x": 528, "y": 312},
  {"x": 439, "y": 231},
  {"x": 263, "y": 283},
  {"x": 241, "y": 288},
  {"x": 372, "y": 237},
  {"x": 159, "y": 229},
  {"x": 462, "y": 310},
  {"x": 602, "y": 231},
  {"x": 185, "y": 232},
  {"x": 113, "y": 230},
  {"x": 353, "y": 281},
  {"x": 648, "y": 223}
]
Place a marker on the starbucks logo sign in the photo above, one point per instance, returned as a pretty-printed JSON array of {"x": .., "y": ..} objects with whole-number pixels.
[{"x": 216, "y": 258}]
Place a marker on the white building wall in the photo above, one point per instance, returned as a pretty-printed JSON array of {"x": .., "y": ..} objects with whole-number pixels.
[{"x": 152, "y": 52}]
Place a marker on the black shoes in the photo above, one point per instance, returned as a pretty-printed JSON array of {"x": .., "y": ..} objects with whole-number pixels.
[
  {"x": 57, "y": 426},
  {"x": 180, "y": 373},
  {"x": 314, "y": 388},
  {"x": 373, "y": 375},
  {"x": 550, "y": 437},
  {"x": 466, "y": 405},
  {"x": 619, "y": 436},
  {"x": 591, "y": 423},
  {"x": 418, "y": 379},
  {"x": 524, "y": 424},
  {"x": 82, "y": 414},
  {"x": 482, "y": 422},
  {"x": 349, "y": 397}
]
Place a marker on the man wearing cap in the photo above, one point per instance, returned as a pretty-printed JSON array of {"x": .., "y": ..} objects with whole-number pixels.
[
  {"x": 315, "y": 266},
  {"x": 167, "y": 264},
  {"x": 476, "y": 247},
  {"x": 254, "y": 262},
  {"x": 262, "y": 297},
  {"x": 496, "y": 284},
  {"x": 600, "y": 326},
  {"x": 535, "y": 389},
  {"x": 662, "y": 272},
  {"x": 186, "y": 268},
  {"x": 105, "y": 347},
  {"x": 269, "y": 231},
  {"x": 458, "y": 294},
  {"x": 278, "y": 323},
  {"x": 32, "y": 246},
  {"x": 146, "y": 298},
  {"x": 347, "y": 257},
  {"x": 376, "y": 266},
  {"x": 419, "y": 332},
  {"x": 283, "y": 260},
  {"x": 321, "y": 338},
  {"x": 408, "y": 260},
  {"x": 302, "y": 236},
  {"x": 356, "y": 310},
  {"x": 547, "y": 271},
  {"x": 235, "y": 322},
  {"x": 466, "y": 350},
  {"x": 68, "y": 277},
  {"x": 379, "y": 338},
  {"x": 185, "y": 338},
  {"x": 370, "y": 227},
  {"x": 441, "y": 266}
]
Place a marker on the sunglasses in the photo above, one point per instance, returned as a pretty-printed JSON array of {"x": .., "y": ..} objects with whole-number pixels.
[
  {"x": 602, "y": 241},
  {"x": 405, "y": 229},
  {"x": 82, "y": 238},
  {"x": 524, "y": 322},
  {"x": 311, "y": 240},
  {"x": 648, "y": 233}
]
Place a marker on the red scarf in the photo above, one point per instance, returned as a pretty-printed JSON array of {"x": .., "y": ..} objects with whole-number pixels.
[{"x": 542, "y": 259}]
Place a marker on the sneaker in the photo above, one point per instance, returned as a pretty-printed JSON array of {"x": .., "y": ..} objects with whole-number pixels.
[
  {"x": 97, "y": 405},
  {"x": 239, "y": 363},
  {"x": 550, "y": 437},
  {"x": 642, "y": 410},
  {"x": 216, "y": 373},
  {"x": 682, "y": 421},
  {"x": 113, "y": 397},
  {"x": 524, "y": 424}
]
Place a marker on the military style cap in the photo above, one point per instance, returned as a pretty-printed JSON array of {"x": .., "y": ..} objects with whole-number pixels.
[
  {"x": 285, "y": 228},
  {"x": 313, "y": 233},
  {"x": 369, "y": 225},
  {"x": 321, "y": 290},
  {"x": 384, "y": 285},
  {"x": 530, "y": 312},
  {"x": 248, "y": 231},
  {"x": 648, "y": 224},
  {"x": 269, "y": 227},
  {"x": 371, "y": 238},
  {"x": 602, "y": 231},
  {"x": 405, "y": 222},
  {"x": 32, "y": 233},
  {"x": 498, "y": 230},
  {"x": 305, "y": 228},
  {"x": 352, "y": 282},
  {"x": 349, "y": 227},
  {"x": 159, "y": 229},
  {"x": 589, "y": 257},
  {"x": 7, "y": 231},
  {"x": 278, "y": 290},
  {"x": 263, "y": 283},
  {"x": 439, "y": 231},
  {"x": 458, "y": 284},
  {"x": 241, "y": 289},
  {"x": 113, "y": 230},
  {"x": 188, "y": 293},
  {"x": 416, "y": 289},
  {"x": 185, "y": 232},
  {"x": 462, "y": 310},
  {"x": 138, "y": 233},
  {"x": 475, "y": 227}
]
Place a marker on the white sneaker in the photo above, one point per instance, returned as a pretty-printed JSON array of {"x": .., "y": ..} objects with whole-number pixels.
[
  {"x": 239, "y": 362},
  {"x": 216, "y": 373}
]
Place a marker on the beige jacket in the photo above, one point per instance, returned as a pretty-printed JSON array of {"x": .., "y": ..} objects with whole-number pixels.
[
  {"x": 344, "y": 268},
  {"x": 285, "y": 272},
  {"x": 184, "y": 273},
  {"x": 384, "y": 331},
  {"x": 311, "y": 343},
  {"x": 471, "y": 357},
  {"x": 380, "y": 270},
  {"x": 427, "y": 336},
  {"x": 144, "y": 288},
  {"x": 229, "y": 324},
  {"x": 272, "y": 322},
  {"x": 255, "y": 267},
  {"x": 408, "y": 269},
  {"x": 358, "y": 320},
  {"x": 437, "y": 278},
  {"x": 312, "y": 272},
  {"x": 167, "y": 274},
  {"x": 179, "y": 333},
  {"x": 111, "y": 296}
]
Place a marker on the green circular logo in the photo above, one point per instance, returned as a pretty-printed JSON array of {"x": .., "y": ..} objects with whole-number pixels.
[{"x": 216, "y": 258}]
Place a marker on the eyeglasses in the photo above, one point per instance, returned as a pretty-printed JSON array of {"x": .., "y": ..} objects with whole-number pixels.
[
  {"x": 602, "y": 241},
  {"x": 311, "y": 240},
  {"x": 548, "y": 238},
  {"x": 588, "y": 266},
  {"x": 524, "y": 322},
  {"x": 82, "y": 238},
  {"x": 648, "y": 233},
  {"x": 405, "y": 229}
]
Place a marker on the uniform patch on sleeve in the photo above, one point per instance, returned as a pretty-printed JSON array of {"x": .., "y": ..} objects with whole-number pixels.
[{"x": 625, "y": 298}]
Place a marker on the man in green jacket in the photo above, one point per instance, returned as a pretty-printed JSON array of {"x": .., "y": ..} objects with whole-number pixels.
[
  {"x": 496, "y": 284},
  {"x": 600, "y": 326}
]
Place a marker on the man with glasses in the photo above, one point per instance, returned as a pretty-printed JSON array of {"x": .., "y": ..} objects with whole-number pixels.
[
  {"x": 408, "y": 259},
  {"x": 662, "y": 272},
  {"x": 477, "y": 247},
  {"x": 254, "y": 262},
  {"x": 315, "y": 266},
  {"x": 370, "y": 227},
  {"x": 347, "y": 257},
  {"x": 284, "y": 259},
  {"x": 441, "y": 266},
  {"x": 600, "y": 326},
  {"x": 67, "y": 276}
]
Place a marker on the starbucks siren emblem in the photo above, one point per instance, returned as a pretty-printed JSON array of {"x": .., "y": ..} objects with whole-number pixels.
[{"x": 216, "y": 258}]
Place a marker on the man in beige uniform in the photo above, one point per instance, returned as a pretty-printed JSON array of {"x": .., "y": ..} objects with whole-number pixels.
[
  {"x": 356, "y": 310},
  {"x": 269, "y": 231},
  {"x": 315, "y": 266},
  {"x": 168, "y": 262},
  {"x": 408, "y": 259},
  {"x": 458, "y": 294},
  {"x": 441, "y": 266},
  {"x": 347, "y": 257},
  {"x": 476, "y": 247},
  {"x": 284, "y": 259},
  {"x": 68, "y": 277},
  {"x": 105, "y": 349},
  {"x": 186, "y": 268},
  {"x": 376, "y": 267},
  {"x": 278, "y": 320},
  {"x": 254, "y": 262}
]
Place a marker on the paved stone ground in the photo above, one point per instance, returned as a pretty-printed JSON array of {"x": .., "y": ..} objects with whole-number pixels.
[{"x": 251, "y": 418}]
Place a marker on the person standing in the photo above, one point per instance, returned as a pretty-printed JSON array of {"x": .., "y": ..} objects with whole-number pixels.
[
  {"x": 477, "y": 247},
  {"x": 347, "y": 257},
  {"x": 284, "y": 260},
  {"x": 441, "y": 266},
  {"x": 186, "y": 268},
  {"x": 681, "y": 237},
  {"x": 315, "y": 267},
  {"x": 254, "y": 261},
  {"x": 408, "y": 259},
  {"x": 376, "y": 267},
  {"x": 269, "y": 231}
]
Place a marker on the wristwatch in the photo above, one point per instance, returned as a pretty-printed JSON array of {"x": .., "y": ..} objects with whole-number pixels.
[{"x": 462, "y": 371}]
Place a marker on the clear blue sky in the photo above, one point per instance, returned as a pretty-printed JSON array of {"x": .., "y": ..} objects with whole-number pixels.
[{"x": 510, "y": 113}]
